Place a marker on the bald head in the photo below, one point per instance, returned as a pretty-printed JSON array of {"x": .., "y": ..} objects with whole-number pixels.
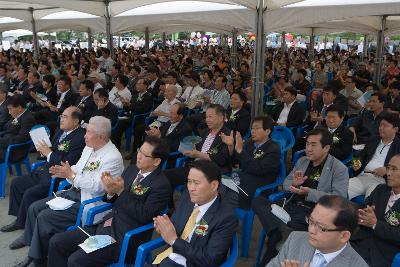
[{"x": 70, "y": 119}]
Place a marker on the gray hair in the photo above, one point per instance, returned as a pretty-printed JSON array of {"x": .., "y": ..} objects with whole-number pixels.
[
  {"x": 173, "y": 87},
  {"x": 101, "y": 125}
]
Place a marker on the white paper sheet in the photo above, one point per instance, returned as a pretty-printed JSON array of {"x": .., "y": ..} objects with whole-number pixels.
[
  {"x": 60, "y": 203},
  {"x": 39, "y": 134}
]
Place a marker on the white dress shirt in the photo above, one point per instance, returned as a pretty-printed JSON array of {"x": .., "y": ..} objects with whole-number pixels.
[
  {"x": 61, "y": 100},
  {"x": 203, "y": 209},
  {"x": 165, "y": 106},
  {"x": 285, "y": 112},
  {"x": 115, "y": 96},
  {"x": 89, "y": 182},
  {"x": 378, "y": 159}
]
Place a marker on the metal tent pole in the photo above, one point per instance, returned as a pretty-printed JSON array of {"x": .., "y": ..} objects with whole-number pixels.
[
  {"x": 379, "y": 51},
  {"x": 35, "y": 37}
]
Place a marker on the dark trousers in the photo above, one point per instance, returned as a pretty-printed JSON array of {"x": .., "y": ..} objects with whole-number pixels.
[
  {"x": 42, "y": 223},
  {"x": 274, "y": 226},
  {"x": 119, "y": 131},
  {"x": 24, "y": 191},
  {"x": 167, "y": 262},
  {"x": 64, "y": 251}
]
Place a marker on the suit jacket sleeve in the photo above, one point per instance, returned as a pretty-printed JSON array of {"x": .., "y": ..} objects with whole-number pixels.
[
  {"x": 143, "y": 106},
  {"x": 383, "y": 229},
  {"x": 221, "y": 158},
  {"x": 284, "y": 252},
  {"x": 215, "y": 251},
  {"x": 27, "y": 123}
]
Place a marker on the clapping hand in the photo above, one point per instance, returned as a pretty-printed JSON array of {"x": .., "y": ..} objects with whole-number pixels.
[
  {"x": 62, "y": 171},
  {"x": 298, "y": 178},
  {"x": 165, "y": 228},
  {"x": 112, "y": 186},
  {"x": 228, "y": 139},
  {"x": 367, "y": 217}
]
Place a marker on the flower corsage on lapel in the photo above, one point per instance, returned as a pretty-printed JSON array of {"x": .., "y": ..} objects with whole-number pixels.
[
  {"x": 64, "y": 146},
  {"x": 258, "y": 154},
  {"x": 232, "y": 117},
  {"x": 315, "y": 176},
  {"x": 393, "y": 218},
  {"x": 94, "y": 165},
  {"x": 15, "y": 121},
  {"x": 212, "y": 151},
  {"x": 139, "y": 190},
  {"x": 201, "y": 228},
  {"x": 335, "y": 139}
]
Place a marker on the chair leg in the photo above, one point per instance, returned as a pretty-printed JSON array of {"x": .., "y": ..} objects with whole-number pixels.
[
  {"x": 10, "y": 169},
  {"x": 18, "y": 168},
  {"x": 3, "y": 176},
  {"x": 27, "y": 165},
  {"x": 263, "y": 235},
  {"x": 246, "y": 233}
]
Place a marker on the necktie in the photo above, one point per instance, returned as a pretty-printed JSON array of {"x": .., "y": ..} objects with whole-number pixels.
[
  {"x": 62, "y": 137},
  {"x": 137, "y": 180},
  {"x": 190, "y": 224},
  {"x": 318, "y": 260}
]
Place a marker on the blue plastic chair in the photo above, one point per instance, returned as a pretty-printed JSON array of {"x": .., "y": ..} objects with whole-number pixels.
[
  {"x": 144, "y": 250},
  {"x": 247, "y": 216},
  {"x": 359, "y": 199},
  {"x": 284, "y": 137},
  {"x": 7, "y": 164},
  {"x": 396, "y": 260},
  {"x": 129, "y": 130},
  {"x": 272, "y": 198}
]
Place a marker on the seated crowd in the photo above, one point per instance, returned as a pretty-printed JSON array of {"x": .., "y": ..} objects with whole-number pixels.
[{"x": 339, "y": 201}]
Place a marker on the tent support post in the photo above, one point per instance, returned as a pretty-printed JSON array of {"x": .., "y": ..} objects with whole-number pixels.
[
  {"x": 283, "y": 42},
  {"x": 312, "y": 44},
  {"x": 365, "y": 46},
  {"x": 379, "y": 51},
  {"x": 234, "y": 49},
  {"x": 258, "y": 75},
  {"x": 164, "y": 39},
  {"x": 90, "y": 38},
  {"x": 109, "y": 37},
  {"x": 147, "y": 40},
  {"x": 325, "y": 41},
  {"x": 35, "y": 36}
]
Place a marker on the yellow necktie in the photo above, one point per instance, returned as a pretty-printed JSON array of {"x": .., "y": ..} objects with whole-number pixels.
[{"x": 190, "y": 224}]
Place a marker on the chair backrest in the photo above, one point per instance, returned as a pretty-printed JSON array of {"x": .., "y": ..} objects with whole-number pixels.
[{"x": 284, "y": 137}]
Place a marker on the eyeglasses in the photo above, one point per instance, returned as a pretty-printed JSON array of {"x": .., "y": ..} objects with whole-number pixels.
[
  {"x": 320, "y": 228},
  {"x": 141, "y": 152}
]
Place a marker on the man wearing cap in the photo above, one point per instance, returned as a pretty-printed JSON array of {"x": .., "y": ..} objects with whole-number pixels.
[{"x": 95, "y": 77}]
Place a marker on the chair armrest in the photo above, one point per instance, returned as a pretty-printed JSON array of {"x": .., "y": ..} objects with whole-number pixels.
[
  {"x": 83, "y": 204},
  {"x": 266, "y": 187},
  {"x": 125, "y": 243},
  {"x": 38, "y": 164},
  {"x": 96, "y": 210},
  {"x": 145, "y": 248},
  {"x": 233, "y": 253},
  {"x": 279, "y": 195},
  {"x": 396, "y": 260},
  {"x": 12, "y": 146}
]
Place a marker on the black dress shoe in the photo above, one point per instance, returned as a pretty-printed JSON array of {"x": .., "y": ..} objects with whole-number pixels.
[
  {"x": 24, "y": 263},
  {"x": 10, "y": 227},
  {"x": 18, "y": 243}
]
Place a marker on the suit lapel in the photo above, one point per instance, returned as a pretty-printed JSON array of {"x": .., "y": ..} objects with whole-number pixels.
[{"x": 208, "y": 216}]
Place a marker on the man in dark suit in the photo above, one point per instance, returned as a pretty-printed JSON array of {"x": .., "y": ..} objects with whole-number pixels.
[
  {"x": 67, "y": 98},
  {"x": 4, "y": 115},
  {"x": 289, "y": 113},
  {"x": 259, "y": 158},
  {"x": 67, "y": 145},
  {"x": 104, "y": 107},
  {"x": 370, "y": 165},
  {"x": 16, "y": 130},
  {"x": 21, "y": 83},
  {"x": 210, "y": 148},
  {"x": 377, "y": 241},
  {"x": 175, "y": 129},
  {"x": 330, "y": 225},
  {"x": 201, "y": 230},
  {"x": 141, "y": 102},
  {"x": 85, "y": 102},
  {"x": 238, "y": 118},
  {"x": 366, "y": 124},
  {"x": 154, "y": 81},
  {"x": 139, "y": 195}
]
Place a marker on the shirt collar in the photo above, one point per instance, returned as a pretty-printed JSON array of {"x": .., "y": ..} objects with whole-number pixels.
[
  {"x": 393, "y": 195},
  {"x": 20, "y": 115},
  {"x": 290, "y": 104},
  {"x": 330, "y": 256},
  {"x": 203, "y": 208}
]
